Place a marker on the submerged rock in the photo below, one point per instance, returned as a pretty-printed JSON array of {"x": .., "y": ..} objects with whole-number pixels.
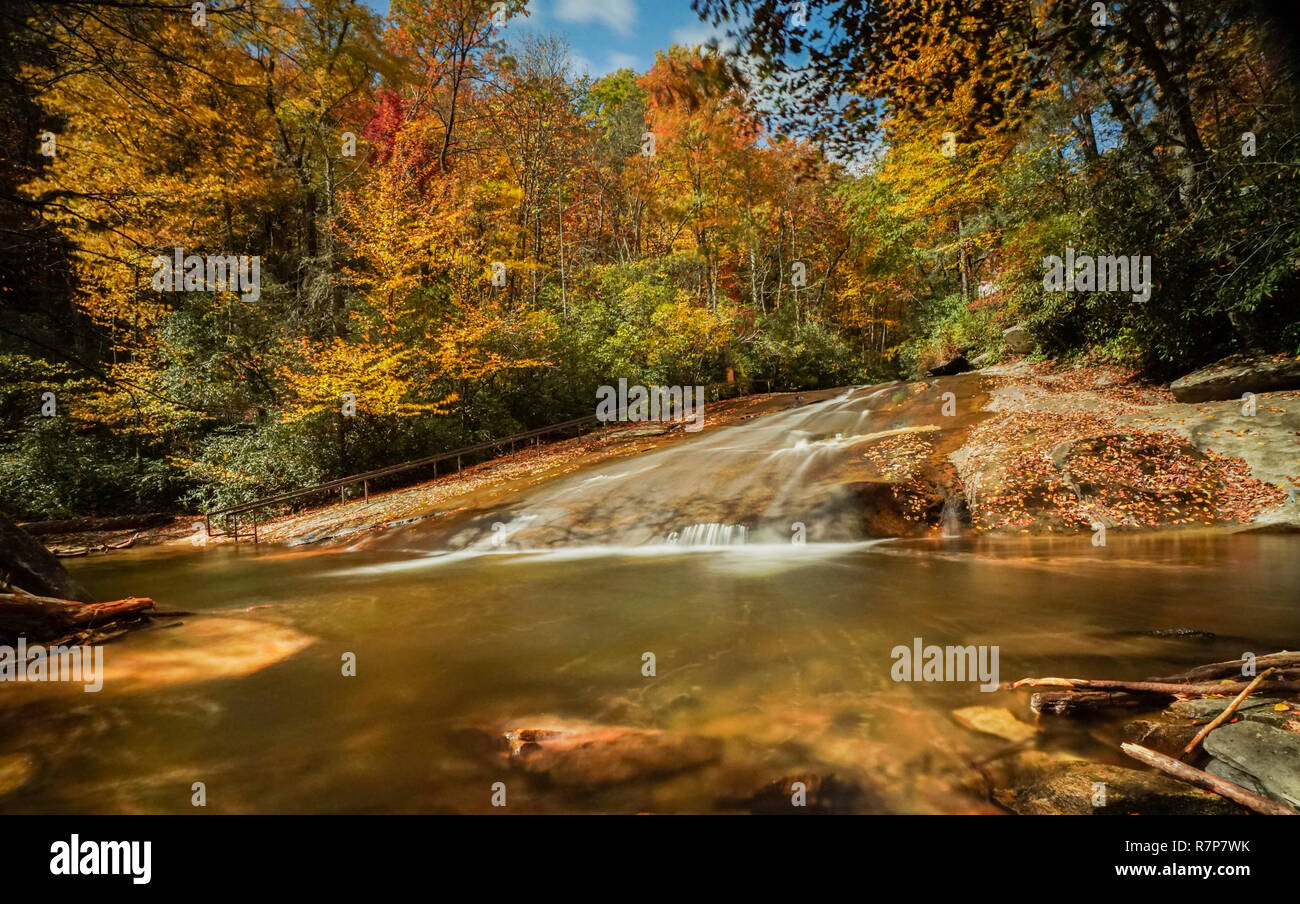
[
  {"x": 15, "y": 771},
  {"x": 1271, "y": 755},
  {"x": 996, "y": 721},
  {"x": 803, "y": 793},
  {"x": 1085, "y": 788},
  {"x": 583, "y": 753},
  {"x": 209, "y": 649},
  {"x": 1178, "y": 632},
  {"x": 1167, "y": 736},
  {"x": 1235, "y": 375}
]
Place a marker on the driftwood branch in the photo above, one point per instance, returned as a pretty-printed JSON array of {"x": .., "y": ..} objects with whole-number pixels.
[
  {"x": 1227, "y": 712},
  {"x": 1204, "y": 780},
  {"x": 1068, "y": 703},
  {"x": 1203, "y": 689},
  {"x": 1283, "y": 661}
]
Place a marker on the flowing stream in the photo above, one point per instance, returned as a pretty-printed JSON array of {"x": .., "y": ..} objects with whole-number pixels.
[{"x": 544, "y": 604}]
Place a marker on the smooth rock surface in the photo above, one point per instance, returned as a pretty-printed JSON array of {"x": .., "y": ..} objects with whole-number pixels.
[
  {"x": 1017, "y": 340},
  {"x": 1233, "y": 376},
  {"x": 1209, "y": 707},
  {"x": 1220, "y": 769},
  {"x": 995, "y": 721},
  {"x": 582, "y": 753},
  {"x": 1270, "y": 754}
]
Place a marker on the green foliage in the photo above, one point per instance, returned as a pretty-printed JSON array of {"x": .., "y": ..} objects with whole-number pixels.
[{"x": 51, "y": 471}]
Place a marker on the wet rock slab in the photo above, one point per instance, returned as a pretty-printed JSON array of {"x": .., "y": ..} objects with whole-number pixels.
[
  {"x": 1229, "y": 378},
  {"x": 1209, "y": 707},
  {"x": 581, "y": 753},
  {"x": 1270, "y": 755}
]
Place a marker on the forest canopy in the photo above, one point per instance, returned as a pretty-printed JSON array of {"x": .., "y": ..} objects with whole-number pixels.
[{"x": 467, "y": 238}]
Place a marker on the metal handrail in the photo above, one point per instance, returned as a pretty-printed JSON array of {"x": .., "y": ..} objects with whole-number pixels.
[{"x": 364, "y": 477}]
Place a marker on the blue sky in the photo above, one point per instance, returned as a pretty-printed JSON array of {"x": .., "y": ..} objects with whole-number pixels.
[{"x": 605, "y": 35}]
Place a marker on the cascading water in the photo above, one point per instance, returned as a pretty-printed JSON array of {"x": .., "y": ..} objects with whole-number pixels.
[
  {"x": 709, "y": 535},
  {"x": 950, "y": 518},
  {"x": 793, "y": 476}
]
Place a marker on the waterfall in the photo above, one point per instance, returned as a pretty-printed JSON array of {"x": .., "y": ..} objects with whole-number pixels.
[
  {"x": 950, "y": 520},
  {"x": 712, "y": 534}
]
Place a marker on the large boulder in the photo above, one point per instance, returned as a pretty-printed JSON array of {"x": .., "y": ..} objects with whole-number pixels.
[
  {"x": 1017, "y": 340},
  {"x": 25, "y": 563},
  {"x": 1236, "y": 375}
]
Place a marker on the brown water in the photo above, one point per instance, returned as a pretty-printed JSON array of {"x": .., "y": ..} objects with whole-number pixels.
[
  {"x": 781, "y": 651},
  {"x": 785, "y": 657}
]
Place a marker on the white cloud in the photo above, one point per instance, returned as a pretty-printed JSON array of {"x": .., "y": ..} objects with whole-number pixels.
[
  {"x": 697, "y": 33},
  {"x": 618, "y": 60},
  {"x": 580, "y": 65},
  {"x": 619, "y": 15}
]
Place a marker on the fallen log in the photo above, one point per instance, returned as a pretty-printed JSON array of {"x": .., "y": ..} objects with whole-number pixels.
[
  {"x": 1205, "y": 689},
  {"x": 70, "y": 553},
  {"x": 1283, "y": 661},
  {"x": 1070, "y": 703},
  {"x": 40, "y": 618},
  {"x": 1204, "y": 780},
  {"x": 125, "y": 544}
]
